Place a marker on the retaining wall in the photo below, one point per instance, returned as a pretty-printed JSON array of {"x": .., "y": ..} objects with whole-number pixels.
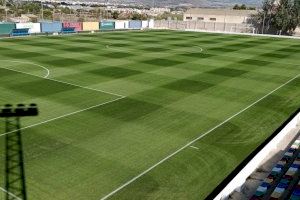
[
  {"x": 107, "y": 25},
  {"x": 240, "y": 178},
  {"x": 6, "y": 28},
  {"x": 145, "y": 24},
  {"x": 51, "y": 27},
  {"x": 33, "y": 27},
  {"x": 76, "y": 25},
  {"x": 90, "y": 26},
  {"x": 135, "y": 24}
]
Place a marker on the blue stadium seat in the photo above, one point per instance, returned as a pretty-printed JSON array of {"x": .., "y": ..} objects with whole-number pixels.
[
  {"x": 68, "y": 30},
  {"x": 283, "y": 181},
  {"x": 20, "y": 32},
  {"x": 296, "y": 193}
]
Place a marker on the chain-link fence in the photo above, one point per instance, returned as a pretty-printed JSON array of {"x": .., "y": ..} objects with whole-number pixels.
[{"x": 205, "y": 26}]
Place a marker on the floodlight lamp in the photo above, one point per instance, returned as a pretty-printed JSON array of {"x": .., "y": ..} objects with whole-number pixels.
[{"x": 21, "y": 110}]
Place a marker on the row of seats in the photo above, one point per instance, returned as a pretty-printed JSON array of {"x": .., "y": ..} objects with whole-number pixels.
[
  {"x": 25, "y": 31},
  {"x": 285, "y": 186},
  {"x": 296, "y": 192},
  {"x": 68, "y": 30},
  {"x": 282, "y": 182},
  {"x": 20, "y": 32}
]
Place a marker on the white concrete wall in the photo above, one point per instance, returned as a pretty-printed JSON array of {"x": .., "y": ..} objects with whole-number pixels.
[
  {"x": 151, "y": 23},
  {"x": 297, "y": 31},
  {"x": 120, "y": 24},
  {"x": 145, "y": 24},
  {"x": 241, "y": 177},
  {"x": 33, "y": 27},
  {"x": 126, "y": 24},
  {"x": 205, "y": 26}
]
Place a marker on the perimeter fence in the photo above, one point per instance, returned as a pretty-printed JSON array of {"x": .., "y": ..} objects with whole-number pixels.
[{"x": 205, "y": 26}]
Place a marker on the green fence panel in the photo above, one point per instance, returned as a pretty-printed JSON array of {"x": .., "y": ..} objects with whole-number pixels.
[
  {"x": 107, "y": 25},
  {"x": 6, "y": 28}
]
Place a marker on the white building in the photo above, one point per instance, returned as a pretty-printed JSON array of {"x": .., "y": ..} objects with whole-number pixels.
[
  {"x": 218, "y": 15},
  {"x": 160, "y": 10},
  {"x": 24, "y": 18}
]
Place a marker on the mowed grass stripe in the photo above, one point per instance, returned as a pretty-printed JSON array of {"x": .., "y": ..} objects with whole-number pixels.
[
  {"x": 173, "y": 93},
  {"x": 51, "y": 95},
  {"x": 170, "y": 156}
]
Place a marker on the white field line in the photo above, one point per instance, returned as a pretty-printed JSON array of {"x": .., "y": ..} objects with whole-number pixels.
[
  {"x": 254, "y": 58},
  {"x": 194, "y": 147},
  {"x": 201, "y": 49},
  {"x": 111, "y": 47},
  {"x": 108, "y": 46},
  {"x": 193, "y": 141},
  {"x": 25, "y": 62},
  {"x": 117, "y": 49},
  {"x": 235, "y": 33},
  {"x": 10, "y": 194},
  {"x": 75, "y": 85},
  {"x": 63, "y": 116},
  {"x": 197, "y": 46}
]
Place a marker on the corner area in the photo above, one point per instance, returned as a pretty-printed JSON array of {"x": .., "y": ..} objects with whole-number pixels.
[{"x": 262, "y": 172}]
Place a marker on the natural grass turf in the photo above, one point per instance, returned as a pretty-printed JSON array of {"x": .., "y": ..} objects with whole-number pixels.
[{"x": 174, "y": 93}]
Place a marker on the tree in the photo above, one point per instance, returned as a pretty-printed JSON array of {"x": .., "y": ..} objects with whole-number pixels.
[
  {"x": 67, "y": 10},
  {"x": 286, "y": 17},
  {"x": 236, "y": 7},
  {"x": 47, "y": 14},
  {"x": 137, "y": 16},
  {"x": 297, "y": 6},
  {"x": 115, "y": 15},
  {"x": 277, "y": 18},
  {"x": 124, "y": 16},
  {"x": 2, "y": 14},
  {"x": 243, "y": 7}
]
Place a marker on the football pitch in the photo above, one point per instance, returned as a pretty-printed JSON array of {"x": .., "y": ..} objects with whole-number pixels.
[{"x": 144, "y": 115}]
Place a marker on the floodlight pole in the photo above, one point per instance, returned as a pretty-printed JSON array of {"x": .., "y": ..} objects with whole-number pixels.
[
  {"x": 263, "y": 26},
  {"x": 15, "y": 184},
  {"x": 42, "y": 9},
  {"x": 14, "y": 161},
  {"x": 5, "y": 9}
]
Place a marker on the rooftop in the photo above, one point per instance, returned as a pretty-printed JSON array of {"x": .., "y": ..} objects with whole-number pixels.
[{"x": 232, "y": 12}]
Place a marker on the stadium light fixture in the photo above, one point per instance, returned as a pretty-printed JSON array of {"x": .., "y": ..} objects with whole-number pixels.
[{"x": 20, "y": 110}]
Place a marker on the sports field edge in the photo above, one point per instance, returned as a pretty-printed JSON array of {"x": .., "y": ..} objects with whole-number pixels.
[
  {"x": 92, "y": 64},
  {"x": 68, "y": 114},
  {"x": 191, "y": 142}
]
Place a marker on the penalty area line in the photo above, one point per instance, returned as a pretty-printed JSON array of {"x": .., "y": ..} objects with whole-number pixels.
[
  {"x": 30, "y": 63},
  {"x": 10, "y": 194},
  {"x": 63, "y": 116},
  {"x": 63, "y": 82},
  {"x": 194, "y": 147},
  {"x": 193, "y": 141}
]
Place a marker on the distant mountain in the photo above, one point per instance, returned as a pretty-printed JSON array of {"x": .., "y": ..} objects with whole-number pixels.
[{"x": 198, "y": 3}]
